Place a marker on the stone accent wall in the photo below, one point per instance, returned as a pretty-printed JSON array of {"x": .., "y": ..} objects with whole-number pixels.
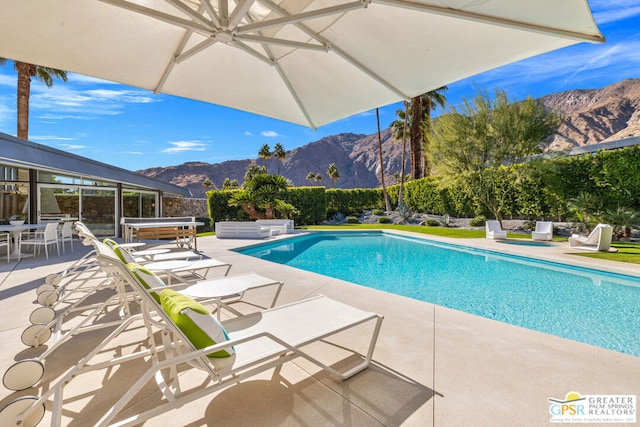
[{"x": 179, "y": 206}]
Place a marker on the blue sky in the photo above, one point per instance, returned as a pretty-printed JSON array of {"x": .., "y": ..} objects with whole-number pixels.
[{"x": 135, "y": 129}]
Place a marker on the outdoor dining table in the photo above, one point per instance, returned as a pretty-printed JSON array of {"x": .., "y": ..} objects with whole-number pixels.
[{"x": 15, "y": 231}]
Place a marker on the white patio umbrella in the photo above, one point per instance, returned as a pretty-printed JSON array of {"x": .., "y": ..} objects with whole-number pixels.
[{"x": 309, "y": 62}]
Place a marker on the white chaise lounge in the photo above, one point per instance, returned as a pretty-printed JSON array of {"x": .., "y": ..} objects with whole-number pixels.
[
  {"x": 494, "y": 230},
  {"x": 543, "y": 231},
  {"x": 280, "y": 226},
  {"x": 242, "y": 230},
  {"x": 598, "y": 240}
]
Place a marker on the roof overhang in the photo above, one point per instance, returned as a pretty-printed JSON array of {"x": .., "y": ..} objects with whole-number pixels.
[{"x": 20, "y": 152}]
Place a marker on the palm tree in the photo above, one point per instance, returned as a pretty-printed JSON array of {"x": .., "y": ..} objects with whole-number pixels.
[
  {"x": 260, "y": 197},
  {"x": 399, "y": 133},
  {"x": 419, "y": 129},
  {"x": 430, "y": 101},
  {"x": 279, "y": 154},
  {"x": 25, "y": 72},
  {"x": 384, "y": 186},
  {"x": 333, "y": 173},
  {"x": 317, "y": 178},
  {"x": 265, "y": 153},
  {"x": 311, "y": 176}
]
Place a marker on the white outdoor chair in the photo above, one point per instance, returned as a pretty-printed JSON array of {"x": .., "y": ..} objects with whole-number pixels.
[
  {"x": 598, "y": 240},
  {"x": 42, "y": 238},
  {"x": 66, "y": 234},
  {"x": 5, "y": 241},
  {"x": 544, "y": 231},
  {"x": 494, "y": 230}
]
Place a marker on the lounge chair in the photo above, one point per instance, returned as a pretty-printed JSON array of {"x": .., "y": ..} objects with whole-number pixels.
[
  {"x": 494, "y": 230},
  {"x": 181, "y": 332},
  {"x": 598, "y": 240},
  {"x": 543, "y": 231}
]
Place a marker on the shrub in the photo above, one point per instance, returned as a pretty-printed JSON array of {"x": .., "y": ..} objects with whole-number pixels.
[
  {"x": 384, "y": 220},
  {"x": 478, "y": 221},
  {"x": 378, "y": 212},
  {"x": 352, "y": 220},
  {"x": 339, "y": 217},
  {"x": 432, "y": 223}
]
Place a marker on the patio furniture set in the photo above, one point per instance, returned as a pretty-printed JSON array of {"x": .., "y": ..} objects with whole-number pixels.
[
  {"x": 598, "y": 240},
  {"x": 18, "y": 236}
]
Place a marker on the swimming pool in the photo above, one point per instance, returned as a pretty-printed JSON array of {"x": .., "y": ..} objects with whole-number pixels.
[{"x": 590, "y": 306}]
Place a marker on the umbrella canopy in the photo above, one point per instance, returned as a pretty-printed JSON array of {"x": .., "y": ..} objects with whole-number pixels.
[{"x": 309, "y": 62}]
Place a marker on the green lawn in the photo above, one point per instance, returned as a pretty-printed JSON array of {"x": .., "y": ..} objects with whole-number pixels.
[
  {"x": 627, "y": 252},
  {"x": 435, "y": 231}
]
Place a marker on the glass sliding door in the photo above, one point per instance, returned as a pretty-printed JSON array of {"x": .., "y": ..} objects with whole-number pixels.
[
  {"x": 139, "y": 204},
  {"x": 98, "y": 210},
  {"x": 96, "y": 207}
]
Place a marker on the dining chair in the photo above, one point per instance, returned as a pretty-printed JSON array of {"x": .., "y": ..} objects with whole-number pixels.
[
  {"x": 42, "y": 238},
  {"x": 66, "y": 234}
]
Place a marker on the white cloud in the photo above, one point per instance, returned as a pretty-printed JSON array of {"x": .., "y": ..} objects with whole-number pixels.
[
  {"x": 248, "y": 133},
  {"x": 7, "y": 114},
  {"x": 7, "y": 80},
  {"x": 608, "y": 11},
  {"x": 72, "y": 147},
  {"x": 136, "y": 153},
  {"x": 180, "y": 146},
  {"x": 270, "y": 133},
  {"x": 50, "y": 138}
]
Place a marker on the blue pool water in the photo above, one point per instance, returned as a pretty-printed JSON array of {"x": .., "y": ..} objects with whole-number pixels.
[{"x": 597, "y": 308}]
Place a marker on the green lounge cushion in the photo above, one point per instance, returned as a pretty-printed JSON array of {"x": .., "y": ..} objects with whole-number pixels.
[
  {"x": 124, "y": 255},
  {"x": 147, "y": 278},
  {"x": 195, "y": 321},
  {"x": 109, "y": 242}
]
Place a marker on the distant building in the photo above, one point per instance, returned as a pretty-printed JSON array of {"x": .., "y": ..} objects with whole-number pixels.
[{"x": 43, "y": 183}]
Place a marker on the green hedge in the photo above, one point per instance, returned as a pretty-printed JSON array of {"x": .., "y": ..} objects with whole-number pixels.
[
  {"x": 612, "y": 176},
  {"x": 311, "y": 203},
  {"x": 353, "y": 201},
  {"x": 219, "y": 209}
]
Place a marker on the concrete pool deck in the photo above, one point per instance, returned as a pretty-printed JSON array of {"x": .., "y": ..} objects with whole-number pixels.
[{"x": 432, "y": 365}]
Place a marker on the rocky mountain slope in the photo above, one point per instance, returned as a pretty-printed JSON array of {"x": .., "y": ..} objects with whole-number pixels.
[{"x": 590, "y": 116}]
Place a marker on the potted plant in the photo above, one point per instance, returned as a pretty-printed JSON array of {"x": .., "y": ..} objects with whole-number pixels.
[{"x": 16, "y": 220}]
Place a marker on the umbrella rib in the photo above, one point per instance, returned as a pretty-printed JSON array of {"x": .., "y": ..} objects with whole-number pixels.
[
  {"x": 294, "y": 94},
  {"x": 237, "y": 43},
  {"x": 288, "y": 19},
  {"x": 239, "y": 12},
  {"x": 187, "y": 10},
  {"x": 211, "y": 11},
  {"x": 176, "y": 58},
  {"x": 285, "y": 79},
  {"x": 170, "y": 19},
  {"x": 197, "y": 48},
  {"x": 282, "y": 42},
  {"x": 494, "y": 20},
  {"x": 277, "y": 9},
  {"x": 223, "y": 10}
]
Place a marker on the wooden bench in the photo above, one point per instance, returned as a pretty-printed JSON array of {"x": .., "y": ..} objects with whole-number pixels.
[
  {"x": 182, "y": 235},
  {"x": 241, "y": 230},
  {"x": 182, "y": 229}
]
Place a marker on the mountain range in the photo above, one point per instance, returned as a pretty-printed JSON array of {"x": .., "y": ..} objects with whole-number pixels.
[{"x": 589, "y": 116}]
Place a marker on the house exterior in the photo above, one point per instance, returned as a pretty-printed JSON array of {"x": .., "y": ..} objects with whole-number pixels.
[{"x": 43, "y": 183}]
